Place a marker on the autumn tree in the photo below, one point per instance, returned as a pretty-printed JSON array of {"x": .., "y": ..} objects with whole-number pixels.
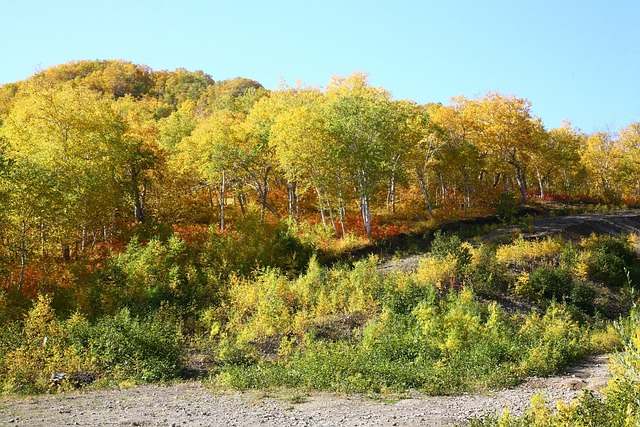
[
  {"x": 507, "y": 132},
  {"x": 601, "y": 155},
  {"x": 175, "y": 87},
  {"x": 303, "y": 150},
  {"x": 115, "y": 78},
  {"x": 557, "y": 161},
  {"x": 445, "y": 158},
  {"x": 213, "y": 151},
  {"x": 68, "y": 134},
  {"x": 362, "y": 121},
  {"x": 629, "y": 141}
]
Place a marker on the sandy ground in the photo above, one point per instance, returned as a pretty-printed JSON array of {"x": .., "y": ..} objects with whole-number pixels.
[{"x": 193, "y": 404}]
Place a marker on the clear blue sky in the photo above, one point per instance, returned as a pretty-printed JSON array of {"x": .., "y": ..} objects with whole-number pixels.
[{"x": 575, "y": 60}]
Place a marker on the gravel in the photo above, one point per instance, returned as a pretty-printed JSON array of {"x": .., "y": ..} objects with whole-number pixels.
[{"x": 193, "y": 404}]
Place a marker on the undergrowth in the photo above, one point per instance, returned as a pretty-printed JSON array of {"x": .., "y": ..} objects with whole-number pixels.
[{"x": 346, "y": 327}]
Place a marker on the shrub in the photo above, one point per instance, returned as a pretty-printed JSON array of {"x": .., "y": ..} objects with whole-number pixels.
[
  {"x": 522, "y": 252},
  {"x": 553, "y": 340},
  {"x": 623, "y": 391},
  {"x": 443, "y": 246},
  {"x": 145, "y": 276},
  {"x": 583, "y": 296},
  {"x": 551, "y": 283},
  {"x": 607, "y": 267},
  {"x": 619, "y": 408},
  {"x": 608, "y": 259},
  {"x": 33, "y": 353},
  {"x": 254, "y": 244},
  {"x": 143, "y": 349},
  {"x": 506, "y": 206}
]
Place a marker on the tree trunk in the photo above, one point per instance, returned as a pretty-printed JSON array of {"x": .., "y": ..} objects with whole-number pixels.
[
  {"x": 138, "y": 205},
  {"x": 540, "y": 182},
  {"x": 243, "y": 208},
  {"x": 425, "y": 191},
  {"x": 443, "y": 189},
  {"x": 391, "y": 196},
  {"x": 341, "y": 214},
  {"x": 223, "y": 192},
  {"x": 333, "y": 222},
  {"x": 321, "y": 206},
  {"x": 23, "y": 254},
  {"x": 522, "y": 183},
  {"x": 83, "y": 242},
  {"x": 366, "y": 214},
  {"x": 291, "y": 189}
]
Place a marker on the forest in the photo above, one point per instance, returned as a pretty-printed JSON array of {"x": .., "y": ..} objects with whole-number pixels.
[{"x": 149, "y": 218}]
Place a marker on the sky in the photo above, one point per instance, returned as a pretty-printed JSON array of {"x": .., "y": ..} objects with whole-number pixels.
[{"x": 575, "y": 60}]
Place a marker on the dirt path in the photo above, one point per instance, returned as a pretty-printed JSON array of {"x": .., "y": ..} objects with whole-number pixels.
[{"x": 192, "y": 404}]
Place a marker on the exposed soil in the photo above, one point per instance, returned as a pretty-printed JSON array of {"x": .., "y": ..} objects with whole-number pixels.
[
  {"x": 193, "y": 404},
  {"x": 574, "y": 228}
]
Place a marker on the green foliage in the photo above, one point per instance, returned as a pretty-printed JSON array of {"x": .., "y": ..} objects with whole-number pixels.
[
  {"x": 623, "y": 391},
  {"x": 506, "y": 206},
  {"x": 443, "y": 245},
  {"x": 145, "y": 276},
  {"x": 414, "y": 339},
  {"x": 254, "y": 244},
  {"x": 115, "y": 348},
  {"x": 552, "y": 283},
  {"x": 609, "y": 258},
  {"x": 143, "y": 349},
  {"x": 488, "y": 277},
  {"x": 619, "y": 408}
]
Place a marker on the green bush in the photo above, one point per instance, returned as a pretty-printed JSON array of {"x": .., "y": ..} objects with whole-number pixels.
[
  {"x": 147, "y": 275},
  {"x": 583, "y": 296},
  {"x": 552, "y": 283},
  {"x": 619, "y": 408},
  {"x": 444, "y": 245},
  {"x": 143, "y": 349},
  {"x": 609, "y": 258},
  {"x": 417, "y": 339},
  {"x": 254, "y": 244},
  {"x": 607, "y": 267},
  {"x": 117, "y": 348},
  {"x": 506, "y": 206},
  {"x": 488, "y": 277}
]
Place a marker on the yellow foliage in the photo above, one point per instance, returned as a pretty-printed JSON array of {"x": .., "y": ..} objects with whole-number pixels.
[
  {"x": 605, "y": 340},
  {"x": 521, "y": 287},
  {"x": 29, "y": 366},
  {"x": 581, "y": 269},
  {"x": 521, "y": 251},
  {"x": 440, "y": 272}
]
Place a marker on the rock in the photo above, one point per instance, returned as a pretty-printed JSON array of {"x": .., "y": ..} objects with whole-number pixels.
[
  {"x": 596, "y": 384},
  {"x": 573, "y": 384},
  {"x": 76, "y": 379}
]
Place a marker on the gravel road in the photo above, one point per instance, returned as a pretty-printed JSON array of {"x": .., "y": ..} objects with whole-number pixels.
[{"x": 193, "y": 404}]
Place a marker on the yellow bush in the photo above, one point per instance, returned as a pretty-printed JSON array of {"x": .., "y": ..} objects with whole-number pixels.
[
  {"x": 522, "y": 287},
  {"x": 521, "y": 251},
  {"x": 439, "y": 272},
  {"x": 29, "y": 366}
]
